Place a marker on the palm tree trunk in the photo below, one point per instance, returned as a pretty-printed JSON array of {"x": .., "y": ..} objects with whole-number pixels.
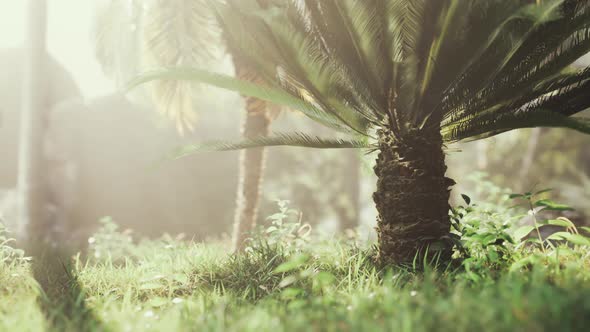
[
  {"x": 412, "y": 196},
  {"x": 256, "y": 123},
  {"x": 31, "y": 196}
]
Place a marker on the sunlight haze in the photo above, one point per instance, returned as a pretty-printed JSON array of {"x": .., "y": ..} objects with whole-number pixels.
[{"x": 68, "y": 39}]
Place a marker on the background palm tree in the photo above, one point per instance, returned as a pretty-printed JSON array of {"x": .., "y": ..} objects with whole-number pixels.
[
  {"x": 405, "y": 78},
  {"x": 256, "y": 123},
  {"x": 183, "y": 33}
]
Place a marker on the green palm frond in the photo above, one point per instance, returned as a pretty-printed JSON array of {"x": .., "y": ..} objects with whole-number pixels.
[
  {"x": 267, "y": 93},
  {"x": 114, "y": 36},
  {"x": 550, "y": 47},
  {"x": 278, "y": 139},
  {"x": 484, "y": 128},
  {"x": 471, "y": 68},
  {"x": 178, "y": 33}
]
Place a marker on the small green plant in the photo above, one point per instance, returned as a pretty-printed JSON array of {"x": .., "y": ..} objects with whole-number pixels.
[
  {"x": 287, "y": 229},
  {"x": 483, "y": 239},
  {"x": 109, "y": 243},
  {"x": 9, "y": 254},
  {"x": 535, "y": 204},
  {"x": 488, "y": 237}
]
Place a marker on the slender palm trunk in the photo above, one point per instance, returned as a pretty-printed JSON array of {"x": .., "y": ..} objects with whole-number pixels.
[
  {"x": 252, "y": 161},
  {"x": 31, "y": 183},
  {"x": 412, "y": 196},
  {"x": 256, "y": 123}
]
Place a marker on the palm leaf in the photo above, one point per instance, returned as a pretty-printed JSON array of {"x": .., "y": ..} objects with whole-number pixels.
[
  {"x": 551, "y": 47},
  {"x": 178, "y": 33},
  {"x": 280, "y": 139},
  {"x": 484, "y": 128},
  {"x": 114, "y": 35},
  {"x": 267, "y": 93}
]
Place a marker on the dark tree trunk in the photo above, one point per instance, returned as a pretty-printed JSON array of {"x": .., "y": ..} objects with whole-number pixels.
[
  {"x": 256, "y": 124},
  {"x": 412, "y": 196}
]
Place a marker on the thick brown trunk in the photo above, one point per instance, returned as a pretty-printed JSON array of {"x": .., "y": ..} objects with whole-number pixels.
[
  {"x": 256, "y": 123},
  {"x": 412, "y": 196}
]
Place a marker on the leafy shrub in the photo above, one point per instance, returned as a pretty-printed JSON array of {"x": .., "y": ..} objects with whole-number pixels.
[
  {"x": 287, "y": 229},
  {"x": 9, "y": 254},
  {"x": 491, "y": 237},
  {"x": 485, "y": 240},
  {"x": 109, "y": 243}
]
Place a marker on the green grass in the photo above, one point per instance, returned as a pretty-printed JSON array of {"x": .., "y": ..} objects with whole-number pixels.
[
  {"x": 196, "y": 288},
  {"x": 295, "y": 282},
  {"x": 18, "y": 299}
]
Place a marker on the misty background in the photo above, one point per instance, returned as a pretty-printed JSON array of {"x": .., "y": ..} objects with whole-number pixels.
[{"x": 105, "y": 145}]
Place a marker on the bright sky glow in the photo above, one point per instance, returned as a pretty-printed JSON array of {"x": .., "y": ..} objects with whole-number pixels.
[{"x": 68, "y": 39}]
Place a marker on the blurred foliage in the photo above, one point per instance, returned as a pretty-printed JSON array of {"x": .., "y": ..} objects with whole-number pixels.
[
  {"x": 560, "y": 160},
  {"x": 19, "y": 293},
  {"x": 287, "y": 229},
  {"x": 9, "y": 255},
  {"x": 312, "y": 180}
]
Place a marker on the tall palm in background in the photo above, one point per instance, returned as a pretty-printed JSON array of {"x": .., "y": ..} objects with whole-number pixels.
[
  {"x": 407, "y": 77},
  {"x": 256, "y": 123},
  {"x": 183, "y": 33}
]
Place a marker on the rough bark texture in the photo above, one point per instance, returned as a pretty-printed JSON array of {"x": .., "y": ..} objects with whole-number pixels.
[
  {"x": 412, "y": 196},
  {"x": 256, "y": 123}
]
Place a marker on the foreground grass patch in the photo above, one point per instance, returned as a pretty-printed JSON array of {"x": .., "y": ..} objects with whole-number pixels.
[
  {"x": 19, "y": 310},
  {"x": 500, "y": 280},
  {"x": 19, "y": 292},
  {"x": 328, "y": 286}
]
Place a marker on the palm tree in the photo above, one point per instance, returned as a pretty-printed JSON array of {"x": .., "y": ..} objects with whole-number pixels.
[
  {"x": 405, "y": 78},
  {"x": 181, "y": 32}
]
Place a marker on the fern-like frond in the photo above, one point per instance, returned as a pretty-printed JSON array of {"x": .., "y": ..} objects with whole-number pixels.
[
  {"x": 178, "y": 33},
  {"x": 278, "y": 139},
  {"x": 116, "y": 38},
  {"x": 551, "y": 46},
  {"x": 267, "y": 93},
  {"x": 482, "y": 129}
]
